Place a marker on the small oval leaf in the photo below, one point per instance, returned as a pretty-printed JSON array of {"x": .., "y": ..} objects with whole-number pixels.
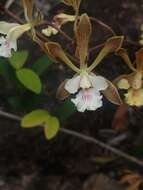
[
  {"x": 18, "y": 59},
  {"x": 35, "y": 118},
  {"x": 51, "y": 127},
  {"x": 30, "y": 80}
]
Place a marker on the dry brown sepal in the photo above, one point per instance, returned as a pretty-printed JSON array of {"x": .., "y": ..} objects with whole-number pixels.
[{"x": 83, "y": 32}]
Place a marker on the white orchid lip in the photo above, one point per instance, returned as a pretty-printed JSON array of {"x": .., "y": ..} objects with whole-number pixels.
[{"x": 87, "y": 99}]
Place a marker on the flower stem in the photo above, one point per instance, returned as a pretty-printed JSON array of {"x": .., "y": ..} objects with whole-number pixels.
[{"x": 103, "y": 25}]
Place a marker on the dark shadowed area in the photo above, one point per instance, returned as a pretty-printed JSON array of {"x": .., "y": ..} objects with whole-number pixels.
[{"x": 27, "y": 160}]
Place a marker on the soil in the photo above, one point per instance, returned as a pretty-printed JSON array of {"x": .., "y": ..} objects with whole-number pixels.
[{"x": 29, "y": 162}]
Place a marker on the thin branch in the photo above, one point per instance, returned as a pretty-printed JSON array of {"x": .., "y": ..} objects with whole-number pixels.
[
  {"x": 85, "y": 138},
  {"x": 8, "y": 3},
  {"x": 96, "y": 47},
  {"x": 103, "y": 25}
]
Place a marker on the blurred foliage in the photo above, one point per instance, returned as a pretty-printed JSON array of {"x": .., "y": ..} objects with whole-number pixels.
[{"x": 24, "y": 80}]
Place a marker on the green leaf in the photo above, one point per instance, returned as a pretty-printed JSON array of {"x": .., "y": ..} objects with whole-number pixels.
[
  {"x": 51, "y": 127},
  {"x": 30, "y": 80},
  {"x": 41, "y": 64},
  {"x": 42, "y": 118},
  {"x": 18, "y": 59},
  {"x": 35, "y": 118}
]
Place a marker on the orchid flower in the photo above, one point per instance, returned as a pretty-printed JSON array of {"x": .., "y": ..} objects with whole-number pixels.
[
  {"x": 133, "y": 82},
  {"x": 12, "y": 31},
  {"x": 85, "y": 84}
]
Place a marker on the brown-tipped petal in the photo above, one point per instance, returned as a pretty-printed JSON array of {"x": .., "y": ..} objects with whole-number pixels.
[
  {"x": 28, "y": 9},
  {"x": 61, "y": 92},
  {"x": 83, "y": 32},
  {"x": 111, "y": 93},
  {"x": 124, "y": 55},
  {"x": 111, "y": 45},
  {"x": 139, "y": 59},
  {"x": 114, "y": 43},
  {"x": 57, "y": 53}
]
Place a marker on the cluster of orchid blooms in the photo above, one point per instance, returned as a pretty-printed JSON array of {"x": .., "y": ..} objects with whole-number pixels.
[{"x": 86, "y": 86}]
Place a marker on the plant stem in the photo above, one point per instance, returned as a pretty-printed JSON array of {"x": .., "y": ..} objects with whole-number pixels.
[
  {"x": 85, "y": 138},
  {"x": 103, "y": 25}
]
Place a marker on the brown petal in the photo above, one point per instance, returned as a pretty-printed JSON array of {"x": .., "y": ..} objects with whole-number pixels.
[
  {"x": 83, "y": 31},
  {"x": 61, "y": 92},
  {"x": 123, "y": 53},
  {"x": 114, "y": 43},
  {"x": 57, "y": 53},
  {"x": 139, "y": 59},
  {"x": 28, "y": 9},
  {"x": 111, "y": 93},
  {"x": 111, "y": 45}
]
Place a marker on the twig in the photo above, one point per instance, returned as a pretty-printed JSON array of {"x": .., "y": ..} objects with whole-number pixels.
[
  {"x": 96, "y": 47},
  {"x": 118, "y": 139},
  {"x": 85, "y": 138},
  {"x": 103, "y": 25},
  {"x": 8, "y": 4}
]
